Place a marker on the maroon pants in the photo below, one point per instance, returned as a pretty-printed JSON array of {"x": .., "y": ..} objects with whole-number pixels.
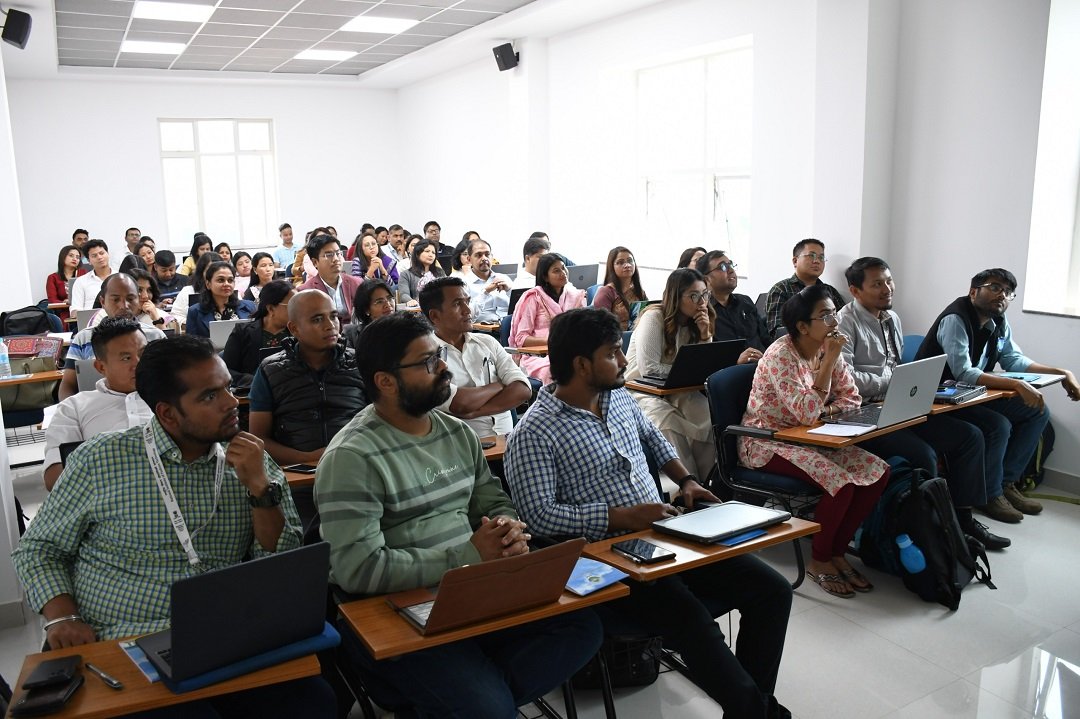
[{"x": 839, "y": 515}]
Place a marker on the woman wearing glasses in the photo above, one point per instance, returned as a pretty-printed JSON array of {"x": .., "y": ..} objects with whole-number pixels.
[
  {"x": 684, "y": 317},
  {"x": 372, "y": 300},
  {"x": 622, "y": 287},
  {"x": 801, "y": 378}
]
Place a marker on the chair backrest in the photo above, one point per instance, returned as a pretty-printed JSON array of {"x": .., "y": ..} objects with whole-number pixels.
[
  {"x": 590, "y": 294},
  {"x": 25, "y": 321},
  {"x": 66, "y": 448},
  {"x": 504, "y": 330},
  {"x": 911, "y": 347},
  {"x": 728, "y": 391},
  {"x": 760, "y": 303},
  {"x": 626, "y": 341}
]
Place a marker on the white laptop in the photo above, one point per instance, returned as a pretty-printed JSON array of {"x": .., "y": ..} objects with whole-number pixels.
[
  {"x": 86, "y": 374},
  {"x": 221, "y": 329},
  {"x": 1033, "y": 378},
  {"x": 911, "y": 394}
]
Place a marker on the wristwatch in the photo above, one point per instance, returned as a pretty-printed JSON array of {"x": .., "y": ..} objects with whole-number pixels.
[
  {"x": 159, "y": 321},
  {"x": 270, "y": 498}
]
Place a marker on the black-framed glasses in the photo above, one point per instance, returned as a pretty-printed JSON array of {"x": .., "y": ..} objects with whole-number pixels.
[
  {"x": 997, "y": 289},
  {"x": 696, "y": 297},
  {"x": 830, "y": 320},
  {"x": 723, "y": 267},
  {"x": 430, "y": 363}
]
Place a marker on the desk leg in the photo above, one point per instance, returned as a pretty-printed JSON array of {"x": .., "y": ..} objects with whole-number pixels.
[{"x": 605, "y": 686}]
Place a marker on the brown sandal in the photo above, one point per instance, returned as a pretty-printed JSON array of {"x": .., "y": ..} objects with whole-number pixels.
[
  {"x": 822, "y": 579},
  {"x": 848, "y": 574}
]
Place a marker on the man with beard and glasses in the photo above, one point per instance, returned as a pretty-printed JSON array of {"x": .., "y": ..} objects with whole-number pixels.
[
  {"x": 405, "y": 494},
  {"x": 100, "y": 558},
  {"x": 577, "y": 467},
  {"x": 975, "y": 335}
]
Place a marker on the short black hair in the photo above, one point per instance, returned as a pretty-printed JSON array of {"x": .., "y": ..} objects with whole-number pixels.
[
  {"x": 317, "y": 243},
  {"x": 703, "y": 262},
  {"x": 1001, "y": 273},
  {"x": 431, "y": 223},
  {"x": 239, "y": 254},
  {"x": 579, "y": 333},
  {"x": 157, "y": 378},
  {"x": 801, "y": 245},
  {"x": 109, "y": 329},
  {"x": 384, "y": 342},
  {"x": 380, "y": 229},
  {"x": 284, "y": 226},
  {"x": 535, "y": 245},
  {"x": 855, "y": 274},
  {"x": 79, "y": 231},
  {"x": 132, "y": 228},
  {"x": 395, "y": 227},
  {"x": 431, "y": 297},
  {"x": 91, "y": 244},
  {"x": 164, "y": 258},
  {"x": 800, "y": 308},
  {"x": 272, "y": 293}
]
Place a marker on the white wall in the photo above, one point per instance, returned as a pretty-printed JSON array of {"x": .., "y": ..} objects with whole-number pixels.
[{"x": 88, "y": 156}]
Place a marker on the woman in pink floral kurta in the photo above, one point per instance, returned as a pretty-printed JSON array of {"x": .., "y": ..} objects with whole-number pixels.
[
  {"x": 801, "y": 377},
  {"x": 535, "y": 310}
]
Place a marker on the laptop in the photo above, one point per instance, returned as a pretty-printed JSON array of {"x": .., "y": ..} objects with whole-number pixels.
[
  {"x": 583, "y": 276},
  {"x": 694, "y": 363},
  {"x": 910, "y": 394},
  {"x": 234, "y": 620},
  {"x": 221, "y": 329},
  {"x": 720, "y": 521},
  {"x": 87, "y": 375},
  {"x": 515, "y": 296},
  {"x": 1032, "y": 378},
  {"x": 476, "y": 592},
  {"x": 505, "y": 269}
]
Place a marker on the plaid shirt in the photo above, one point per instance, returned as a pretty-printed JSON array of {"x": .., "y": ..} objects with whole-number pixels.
[
  {"x": 566, "y": 466},
  {"x": 783, "y": 291},
  {"x": 103, "y": 534}
]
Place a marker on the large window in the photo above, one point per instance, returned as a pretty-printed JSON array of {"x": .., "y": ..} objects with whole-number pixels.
[
  {"x": 220, "y": 178},
  {"x": 694, "y": 154}
]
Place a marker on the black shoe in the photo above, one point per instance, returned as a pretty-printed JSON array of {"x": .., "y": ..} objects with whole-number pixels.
[{"x": 982, "y": 533}]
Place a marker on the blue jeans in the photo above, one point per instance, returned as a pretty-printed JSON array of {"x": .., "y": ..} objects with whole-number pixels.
[
  {"x": 1011, "y": 430},
  {"x": 483, "y": 677}
]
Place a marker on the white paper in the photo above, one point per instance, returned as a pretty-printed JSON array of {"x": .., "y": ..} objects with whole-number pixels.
[{"x": 842, "y": 430}]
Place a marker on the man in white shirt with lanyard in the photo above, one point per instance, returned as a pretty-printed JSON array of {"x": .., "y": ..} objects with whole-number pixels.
[{"x": 329, "y": 259}]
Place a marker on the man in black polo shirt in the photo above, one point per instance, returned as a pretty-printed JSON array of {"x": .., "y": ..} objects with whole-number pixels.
[
  {"x": 808, "y": 259},
  {"x": 736, "y": 316}
]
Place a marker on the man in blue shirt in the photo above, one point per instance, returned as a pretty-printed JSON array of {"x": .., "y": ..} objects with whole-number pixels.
[{"x": 975, "y": 335}]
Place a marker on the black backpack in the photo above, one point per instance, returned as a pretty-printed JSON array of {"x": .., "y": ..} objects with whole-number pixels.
[
  {"x": 921, "y": 507},
  {"x": 26, "y": 321}
]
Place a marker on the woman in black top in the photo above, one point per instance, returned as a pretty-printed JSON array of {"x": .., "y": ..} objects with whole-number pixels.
[{"x": 244, "y": 350}]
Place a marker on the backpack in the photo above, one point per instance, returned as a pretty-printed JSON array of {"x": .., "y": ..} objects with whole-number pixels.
[
  {"x": 921, "y": 507},
  {"x": 26, "y": 321},
  {"x": 1035, "y": 472}
]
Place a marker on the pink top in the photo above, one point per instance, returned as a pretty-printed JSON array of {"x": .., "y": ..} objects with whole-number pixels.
[{"x": 532, "y": 318}]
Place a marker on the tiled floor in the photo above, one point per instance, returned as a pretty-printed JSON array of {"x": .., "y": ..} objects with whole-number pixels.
[{"x": 1006, "y": 653}]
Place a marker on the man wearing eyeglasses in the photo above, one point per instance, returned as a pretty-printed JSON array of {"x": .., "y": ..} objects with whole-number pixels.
[
  {"x": 808, "y": 259},
  {"x": 975, "y": 335},
  {"x": 329, "y": 259},
  {"x": 736, "y": 315}
]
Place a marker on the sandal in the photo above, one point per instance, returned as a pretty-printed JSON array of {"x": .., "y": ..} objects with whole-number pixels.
[
  {"x": 822, "y": 579},
  {"x": 849, "y": 574}
]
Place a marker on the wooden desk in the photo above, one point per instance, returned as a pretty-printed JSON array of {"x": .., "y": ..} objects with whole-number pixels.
[
  {"x": 990, "y": 396},
  {"x": 636, "y": 386},
  {"x": 486, "y": 326},
  {"x": 94, "y": 699},
  {"x": 386, "y": 634},
  {"x": 496, "y": 452},
  {"x": 52, "y": 376},
  {"x": 539, "y": 350},
  {"x": 297, "y": 480},
  {"x": 58, "y": 306},
  {"x": 801, "y": 435},
  {"x": 689, "y": 555}
]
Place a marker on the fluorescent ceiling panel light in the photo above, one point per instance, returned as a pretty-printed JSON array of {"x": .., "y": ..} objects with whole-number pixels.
[
  {"x": 383, "y": 25},
  {"x": 152, "y": 48},
  {"x": 179, "y": 12},
  {"x": 330, "y": 55}
]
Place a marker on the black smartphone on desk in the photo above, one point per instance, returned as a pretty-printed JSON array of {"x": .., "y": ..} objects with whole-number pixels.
[
  {"x": 53, "y": 671},
  {"x": 642, "y": 552}
]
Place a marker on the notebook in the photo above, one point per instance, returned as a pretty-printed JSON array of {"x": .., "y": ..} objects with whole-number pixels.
[
  {"x": 720, "y": 521},
  {"x": 910, "y": 394},
  {"x": 234, "y": 620},
  {"x": 1032, "y": 378},
  {"x": 694, "y": 363},
  {"x": 476, "y": 592},
  {"x": 221, "y": 329}
]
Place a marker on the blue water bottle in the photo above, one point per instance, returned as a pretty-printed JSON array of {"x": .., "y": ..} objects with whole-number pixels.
[
  {"x": 5, "y": 362},
  {"x": 910, "y": 555}
]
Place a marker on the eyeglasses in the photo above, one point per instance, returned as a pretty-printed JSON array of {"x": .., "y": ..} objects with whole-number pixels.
[
  {"x": 814, "y": 256},
  {"x": 624, "y": 263},
  {"x": 997, "y": 289},
  {"x": 331, "y": 255},
  {"x": 696, "y": 297},
  {"x": 723, "y": 267},
  {"x": 383, "y": 301},
  {"x": 830, "y": 319},
  {"x": 430, "y": 363}
]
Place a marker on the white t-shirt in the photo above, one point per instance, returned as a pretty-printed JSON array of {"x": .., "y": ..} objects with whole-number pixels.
[{"x": 87, "y": 414}]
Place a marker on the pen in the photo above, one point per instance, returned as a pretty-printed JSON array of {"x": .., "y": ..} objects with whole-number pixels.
[{"x": 111, "y": 682}]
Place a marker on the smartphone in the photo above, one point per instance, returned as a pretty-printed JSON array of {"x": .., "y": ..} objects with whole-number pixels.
[
  {"x": 488, "y": 444},
  {"x": 642, "y": 552},
  {"x": 53, "y": 671},
  {"x": 301, "y": 468}
]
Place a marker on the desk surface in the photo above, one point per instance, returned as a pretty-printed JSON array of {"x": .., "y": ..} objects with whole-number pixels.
[
  {"x": 689, "y": 555},
  {"x": 94, "y": 699},
  {"x": 386, "y": 634},
  {"x": 534, "y": 350},
  {"x": 802, "y": 435},
  {"x": 52, "y": 376},
  {"x": 636, "y": 386},
  {"x": 486, "y": 326}
]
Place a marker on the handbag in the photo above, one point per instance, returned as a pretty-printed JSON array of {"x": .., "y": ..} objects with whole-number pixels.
[{"x": 28, "y": 355}]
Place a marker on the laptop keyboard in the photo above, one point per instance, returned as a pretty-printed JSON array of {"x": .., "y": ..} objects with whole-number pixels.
[
  {"x": 864, "y": 415},
  {"x": 421, "y": 612}
]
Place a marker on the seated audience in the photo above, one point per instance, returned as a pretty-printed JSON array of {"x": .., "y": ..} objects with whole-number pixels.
[
  {"x": 801, "y": 377},
  {"x": 242, "y": 262},
  {"x": 197, "y": 283},
  {"x": 224, "y": 252},
  {"x": 304, "y": 258},
  {"x": 423, "y": 268},
  {"x": 690, "y": 257},
  {"x": 79, "y": 238},
  {"x": 327, "y": 275},
  {"x": 285, "y": 253},
  {"x": 975, "y": 335},
  {"x": 68, "y": 268},
  {"x": 199, "y": 246},
  {"x": 808, "y": 258},
  {"x": 599, "y": 486},
  {"x": 119, "y": 298},
  {"x": 371, "y": 264},
  {"x": 262, "y": 272},
  {"x": 131, "y": 239},
  {"x": 683, "y": 318},
  {"x": 372, "y": 300},
  {"x": 245, "y": 349},
  {"x": 433, "y": 234},
  {"x": 486, "y": 383},
  {"x": 406, "y": 262},
  {"x": 536, "y": 309},
  {"x": 390, "y": 529},
  {"x": 395, "y": 246},
  {"x": 100, "y": 558},
  {"x": 531, "y": 252},
  {"x": 737, "y": 317},
  {"x": 149, "y": 297},
  {"x": 489, "y": 290},
  {"x": 85, "y": 289},
  {"x": 622, "y": 287},
  {"x": 874, "y": 348},
  {"x": 114, "y": 405},
  {"x": 142, "y": 258},
  {"x": 170, "y": 282},
  {"x": 217, "y": 301},
  {"x": 459, "y": 264}
]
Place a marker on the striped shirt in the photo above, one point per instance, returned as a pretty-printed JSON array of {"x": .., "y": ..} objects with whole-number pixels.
[
  {"x": 566, "y": 466},
  {"x": 103, "y": 534}
]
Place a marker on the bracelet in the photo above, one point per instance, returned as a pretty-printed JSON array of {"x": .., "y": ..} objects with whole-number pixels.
[
  {"x": 819, "y": 389},
  {"x": 61, "y": 620}
]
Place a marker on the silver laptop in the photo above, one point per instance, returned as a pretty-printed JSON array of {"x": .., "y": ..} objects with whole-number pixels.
[
  {"x": 720, "y": 521},
  {"x": 83, "y": 317},
  {"x": 221, "y": 329},
  {"x": 911, "y": 394},
  {"x": 584, "y": 276},
  {"x": 87, "y": 375},
  {"x": 1033, "y": 378}
]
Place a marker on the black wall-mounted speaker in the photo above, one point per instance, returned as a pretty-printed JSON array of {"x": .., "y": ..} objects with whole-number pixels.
[
  {"x": 505, "y": 56},
  {"x": 16, "y": 28}
]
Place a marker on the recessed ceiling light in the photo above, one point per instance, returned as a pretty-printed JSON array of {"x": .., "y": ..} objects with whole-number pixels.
[
  {"x": 152, "y": 48},
  {"x": 180, "y": 12},
  {"x": 383, "y": 25},
  {"x": 330, "y": 55}
]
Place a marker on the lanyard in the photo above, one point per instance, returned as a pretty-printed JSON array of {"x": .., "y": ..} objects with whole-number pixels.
[{"x": 169, "y": 498}]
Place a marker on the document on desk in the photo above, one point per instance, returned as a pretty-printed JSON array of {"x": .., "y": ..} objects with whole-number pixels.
[
  {"x": 835, "y": 429},
  {"x": 590, "y": 575}
]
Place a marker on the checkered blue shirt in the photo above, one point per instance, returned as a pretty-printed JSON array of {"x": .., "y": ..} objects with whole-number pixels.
[{"x": 566, "y": 466}]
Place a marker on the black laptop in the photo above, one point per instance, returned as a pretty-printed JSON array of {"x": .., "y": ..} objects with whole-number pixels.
[
  {"x": 694, "y": 363},
  {"x": 515, "y": 297}
]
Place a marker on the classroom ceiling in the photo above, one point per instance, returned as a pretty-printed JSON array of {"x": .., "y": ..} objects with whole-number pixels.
[{"x": 262, "y": 36}]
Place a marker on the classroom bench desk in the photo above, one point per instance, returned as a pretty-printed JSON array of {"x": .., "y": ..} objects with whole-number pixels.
[
  {"x": 801, "y": 435},
  {"x": 636, "y": 386},
  {"x": 990, "y": 396},
  {"x": 49, "y": 376}
]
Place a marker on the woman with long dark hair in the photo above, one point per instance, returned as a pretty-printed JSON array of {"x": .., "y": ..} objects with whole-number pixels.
[
  {"x": 68, "y": 267},
  {"x": 622, "y": 286},
  {"x": 268, "y": 328},
  {"x": 423, "y": 268},
  {"x": 262, "y": 272},
  {"x": 199, "y": 247},
  {"x": 190, "y": 294},
  {"x": 371, "y": 301},
  {"x": 537, "y": 307},
  {"x": 370, "y": 264},
  {"x": 217, "y": 301}
]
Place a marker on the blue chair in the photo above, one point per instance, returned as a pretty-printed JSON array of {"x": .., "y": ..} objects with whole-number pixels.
[
  {"x": 591, "y": 293},
  {"x": 729, "y": 391},
  {"x": 911, "y": 346},
  {"x": 504, "y": 330}
]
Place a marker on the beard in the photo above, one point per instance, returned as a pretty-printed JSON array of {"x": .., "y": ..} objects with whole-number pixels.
[
  {"x": 619, "y": 381},
  {"x": 417, "y": 403}
]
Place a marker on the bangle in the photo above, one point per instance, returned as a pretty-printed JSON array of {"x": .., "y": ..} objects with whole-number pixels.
[
  {"x": 60, "y": 620},
  {"x": 819, "y": 389}
]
